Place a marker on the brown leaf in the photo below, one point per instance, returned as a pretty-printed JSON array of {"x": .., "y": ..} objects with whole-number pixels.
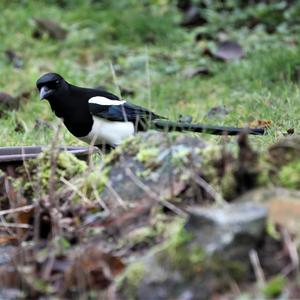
[
  {"x": 5, "y": 239},
  {"x": 53, "y": 29},
  {"x": 13, "y": 58},
  {"x": 9, "y": 276},
  {"x": 123, "y": 220},
  {"x": 286, "y": 212},
  {"x": 260, "y": 123},
  {"x": 93, "y": 268},
  {"x": 7, "y": 102}
]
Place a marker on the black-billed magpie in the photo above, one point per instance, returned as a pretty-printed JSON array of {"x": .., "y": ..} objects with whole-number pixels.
[{"x": 95, "y": 115}]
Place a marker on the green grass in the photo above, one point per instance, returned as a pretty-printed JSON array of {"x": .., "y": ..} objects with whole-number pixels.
[{"x": 148, "y": 52}]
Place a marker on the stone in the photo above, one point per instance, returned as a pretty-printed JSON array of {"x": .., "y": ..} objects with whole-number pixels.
[
  {"x": 283, "y": 205},
  {"x": 201, "y": 258},
  {"x": 220, "y": 230}
]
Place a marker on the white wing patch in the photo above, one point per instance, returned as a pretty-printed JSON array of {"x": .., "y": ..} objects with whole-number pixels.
[{"x": 105, "y": 101}]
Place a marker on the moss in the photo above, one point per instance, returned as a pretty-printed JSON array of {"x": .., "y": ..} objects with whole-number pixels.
[
  {"x": 289, "y": 175},
  {"x": 181, "y": 253},
  {"x": 89, "y": 184},
  {"x": 272, "y": 231},
  {"x": 145, "y": 173},
  {"x": 274, "y": 286},
  {"x": 208, "y": 165},
  {"x": 147, "y": 155},
  {"x": 175, "y": 250},
  {"x": 130, "y": 146},
  {"x": 67, "y": 166},
  {"x": 181, "y": 157},
  {"x": 130, "y": 279},
  {"x": 225, "y": 270},
  {"x": 264, "y": 178},
  {"x": 228, "y": 184},
  {"x": 141, "y": 235},
  {"x": 134, "y": 273}
]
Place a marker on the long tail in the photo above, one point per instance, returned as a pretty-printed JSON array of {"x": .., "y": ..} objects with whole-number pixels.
[{"x": 216, "y": 130}]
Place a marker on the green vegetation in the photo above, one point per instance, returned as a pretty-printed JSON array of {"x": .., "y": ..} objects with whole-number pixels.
[
  {"x": 139, "y": 45},
  {"x": 289, "y": 175}
]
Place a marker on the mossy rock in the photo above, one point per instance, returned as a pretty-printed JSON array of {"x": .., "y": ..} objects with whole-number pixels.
[
  {"x": 190, "y": 261},
  {"x": 156, "y": 162}
]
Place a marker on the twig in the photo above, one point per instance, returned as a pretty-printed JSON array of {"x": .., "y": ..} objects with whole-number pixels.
[
  {"x": 115, "y": 80},
  {"x": 16, "y": 210},
  {"x": 292, "y": 249},
  {"x": 25, "y": 165},
  {"x": 90, "y": 151},
  {"x": 99, "y": 200},
  {"x": 74, "y": 189},
  {"x": 259, "y": 273},
  {"x": 116, "y": 195},
  {"x": 53, "y": 161},
  {"x": 49, "y": 266},
  {"x": 154, "y": 195},
  {"x": 209, "y": 189},
  {"x": 2, "y": 219},
  {"x": 15, "y": 225}
]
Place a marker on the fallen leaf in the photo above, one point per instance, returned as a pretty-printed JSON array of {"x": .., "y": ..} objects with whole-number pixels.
[
  {"x": 228, "y": 50},
  {"x": 53, "y": 29},
  {"x": 5, "y": 239},
  {"x": 126, "y": 218},
  {"x": 260, "y": 123},
  {"x": 8, "y": 102},
  {"x": 217, "y": 111},
  {"x": 13, "y": 58},
  {"x": 93, "y": 268}
]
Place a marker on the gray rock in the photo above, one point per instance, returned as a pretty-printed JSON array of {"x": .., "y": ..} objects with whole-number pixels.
[
  {"x": 218, "y": 230},
  {"x": 203, "y": 257},
  {"x": 156, "y": 160}
]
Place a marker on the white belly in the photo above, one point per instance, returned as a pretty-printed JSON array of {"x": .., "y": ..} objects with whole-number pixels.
[{"x": 108, "y": 132}]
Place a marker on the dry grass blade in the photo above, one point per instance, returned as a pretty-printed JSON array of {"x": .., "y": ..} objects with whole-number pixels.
[
  {"x": 116, "y": 195},
  {"x": 292, "y": 249},
  {"x": 25, "y": 208},
  {"x": 16, "y": 225},
  {"x": 259, "y": 273},
  {"x": 209, "y": 189},
  {"x": 74, "y": 189},
  {"x": 153, "y": 195}
]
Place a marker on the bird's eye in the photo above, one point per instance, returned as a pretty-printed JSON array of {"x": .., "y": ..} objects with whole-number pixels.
[{"x": 57, "y": 81}]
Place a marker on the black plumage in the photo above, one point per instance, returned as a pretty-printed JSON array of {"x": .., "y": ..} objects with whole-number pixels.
[{"x": 94, "y": 114}]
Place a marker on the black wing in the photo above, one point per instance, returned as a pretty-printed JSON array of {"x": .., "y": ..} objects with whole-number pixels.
[{"x": 140, "y": 116}]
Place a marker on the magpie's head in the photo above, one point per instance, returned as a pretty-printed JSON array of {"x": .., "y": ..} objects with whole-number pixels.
[{"x": 51, "y": 86}]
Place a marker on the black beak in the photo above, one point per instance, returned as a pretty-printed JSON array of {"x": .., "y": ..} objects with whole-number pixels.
[{"x": 44, "y": 92}]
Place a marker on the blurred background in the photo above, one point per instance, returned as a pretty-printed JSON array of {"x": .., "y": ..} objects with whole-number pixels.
[{"x": 227, "y": 62}]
